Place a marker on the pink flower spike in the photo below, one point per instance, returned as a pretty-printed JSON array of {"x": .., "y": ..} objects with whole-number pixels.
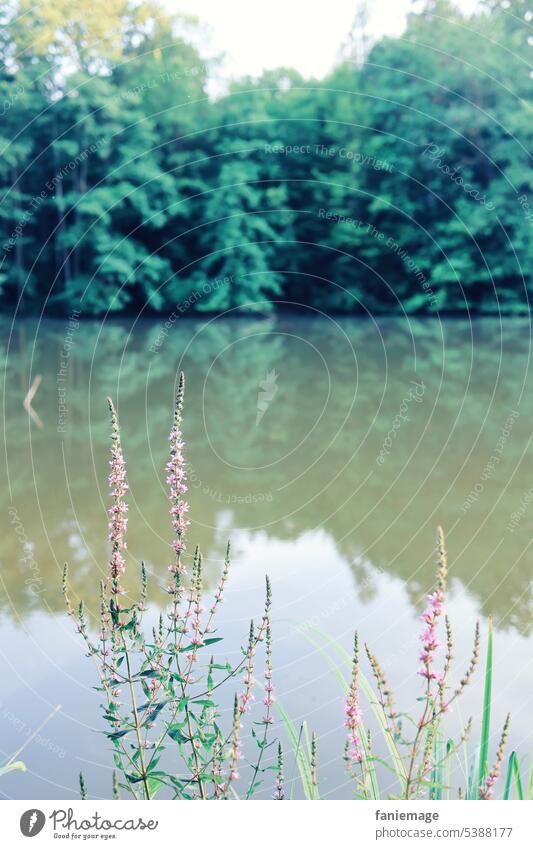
[{"x": 118, "y": 521}]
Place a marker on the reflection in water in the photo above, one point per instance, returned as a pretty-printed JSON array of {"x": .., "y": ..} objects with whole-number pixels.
[
  {"x": 315, "y": 458},
  {"x": 327, "y": 450}
]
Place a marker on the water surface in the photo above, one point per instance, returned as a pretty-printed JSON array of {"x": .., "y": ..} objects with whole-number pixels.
[{"x": 327, "y": 450}]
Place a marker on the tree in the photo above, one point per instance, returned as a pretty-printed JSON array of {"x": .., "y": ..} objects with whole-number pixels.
[{"x": 401, "y": 182}]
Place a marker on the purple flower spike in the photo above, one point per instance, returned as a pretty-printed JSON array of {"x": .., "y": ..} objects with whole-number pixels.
[{"x": 118, "y": 520}]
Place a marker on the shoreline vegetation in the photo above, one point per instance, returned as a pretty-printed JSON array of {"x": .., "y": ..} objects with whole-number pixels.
[
  {"x": 164, "y": 689},
  {"x": 399, "y": 182}
]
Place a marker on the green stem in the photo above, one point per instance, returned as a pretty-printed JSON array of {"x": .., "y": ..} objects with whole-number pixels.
[{"x": 136, "y": 718}]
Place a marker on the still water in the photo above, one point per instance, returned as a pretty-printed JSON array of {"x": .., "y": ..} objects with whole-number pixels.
[{"x": 327, "y": 449}]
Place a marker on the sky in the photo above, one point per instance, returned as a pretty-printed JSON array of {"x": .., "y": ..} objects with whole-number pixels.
[{"x": 304, "y": 34}]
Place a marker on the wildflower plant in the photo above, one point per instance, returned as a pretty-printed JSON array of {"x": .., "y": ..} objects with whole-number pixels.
[
  {"x": 163, "y": 689},
  {"x": 419, "y": 760},
  {"x": 159, "y": 690}
]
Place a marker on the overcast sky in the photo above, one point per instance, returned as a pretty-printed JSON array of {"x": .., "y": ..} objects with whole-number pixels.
[{"x": 304, "y": 34}]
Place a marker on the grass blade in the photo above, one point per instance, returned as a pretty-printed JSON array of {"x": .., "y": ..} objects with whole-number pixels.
[
  {"x": 485, "y": 725},
  {"x": 448, "y": 767},
  {"x": 513, "y": 771},
  {"x": 304, "y": 767},
  {"x": 530, "y": 782},
  {"x": 438, "y": 770}
]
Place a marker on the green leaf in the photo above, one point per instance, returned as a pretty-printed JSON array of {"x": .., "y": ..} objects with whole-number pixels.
[
  {"x": 177, "y": 677},
  {"x": 175, "y": 732},
  {"x": 116, "y": 734},
  {"x": 154, "y": 711},
  {"x": 134, "y": 778}
]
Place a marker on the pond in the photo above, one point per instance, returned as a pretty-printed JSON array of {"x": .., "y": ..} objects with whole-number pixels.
[{"x": 326, "y": 449}]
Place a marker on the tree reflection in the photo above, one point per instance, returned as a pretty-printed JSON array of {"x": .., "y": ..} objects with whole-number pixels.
[{"x": 310, "y": 462}]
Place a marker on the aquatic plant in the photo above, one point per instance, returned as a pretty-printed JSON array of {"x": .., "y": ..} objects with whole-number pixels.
[{"x": 160, "y": 690}]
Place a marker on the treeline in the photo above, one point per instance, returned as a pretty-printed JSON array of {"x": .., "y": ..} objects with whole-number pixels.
[{"x": 401, "y": 182}]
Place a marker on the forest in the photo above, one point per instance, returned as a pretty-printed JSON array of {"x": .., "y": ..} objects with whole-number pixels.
[{"x": 399, "y": 183}]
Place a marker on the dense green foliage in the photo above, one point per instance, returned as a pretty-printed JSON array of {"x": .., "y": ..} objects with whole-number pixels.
[{"x": 401, "y": 182}]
